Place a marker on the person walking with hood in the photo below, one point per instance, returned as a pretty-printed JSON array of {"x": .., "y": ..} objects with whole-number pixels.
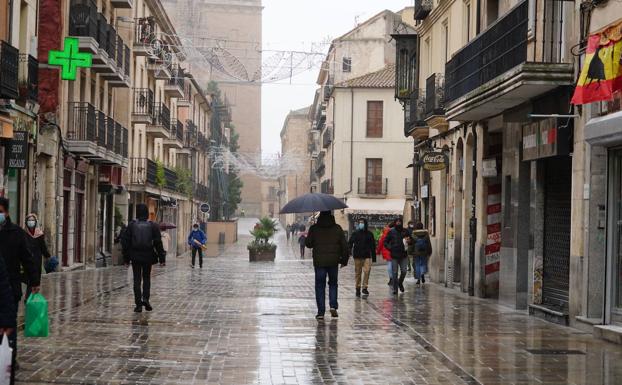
[
  {"x": 386, "y": 254},
  {"x": 16, "y": 254},
  {"x": 363, "y": 248},
  {"x": 421, "y": 249},
  {"x": 302, "y": 240},
  {"x": 394, "y": 242},
  {"x": 197, "y": 240},
  {"x": 37, "y": 247},
  {"x": 142, "y": 246},
  {"x": 330, "y": 249}
]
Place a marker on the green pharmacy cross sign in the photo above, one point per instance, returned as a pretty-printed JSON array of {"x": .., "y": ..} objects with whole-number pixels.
[{"x": 69, "y": 59}]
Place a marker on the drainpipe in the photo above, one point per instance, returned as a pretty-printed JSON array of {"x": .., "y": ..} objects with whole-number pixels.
[
  {"x": 351, "y": 138},
  {"x": 473, "y": 221}
]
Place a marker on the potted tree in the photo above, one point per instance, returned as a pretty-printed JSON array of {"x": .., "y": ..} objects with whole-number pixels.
[{"x": 261, "y": 249}]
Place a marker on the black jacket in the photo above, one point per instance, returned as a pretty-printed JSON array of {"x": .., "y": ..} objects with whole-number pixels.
[
  {"x": 420, "y": 234},
  {"x": 39, "y": 250},
  {"x": 149, "y": 255},
  {"x": 394, "y": 242},
  {"x": 362, "y": 244},
  {"x": 14, "y": 249},
  {"x": 8, "y": 307},
  {"x": 328, "y": 242}
]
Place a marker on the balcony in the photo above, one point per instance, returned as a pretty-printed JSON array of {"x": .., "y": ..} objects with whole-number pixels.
[
  {"x": 174, "y": 87},
  {"x": 159, "y": 65},
  {"x": 144, "y": 107},
  {"x": 435, "y": 102},
  {"x": 9, "y": 71},
  {"x": 95, "y": 136},
  {"x": 83, "y": 24},
  {"x": 121, "y": 76},
  {"x": 423, "y": 9},
  {"x": 414, "y": 115},
  {"x": 326, "y": 187},
  {"x": 320, "y": 167},
  {"x": 185, "y": 99},
  {"x": 514, "y": 60},
  {"x": 160, "y": 127},
  {"x": 144, "y": 172},
  {"x": 328, "y": 88},
  {"x": 327, "y": 138},
  {"x": 124, "y": 4},
  {"x": 28, "y": 78},
  {"x": 376, "y": 187},
  {"x": 145, "y": 35},
  {"x": 176, "y": 139}
]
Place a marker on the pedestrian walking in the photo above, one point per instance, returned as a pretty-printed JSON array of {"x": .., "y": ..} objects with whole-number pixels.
[
  {"x": 166, "y": 244},
  {"x": 288, "y": 229},
  {"x": 302, "y": 239},
  {"x": 394, "y": 242},
  {"x": 362, "y": 245},
  {"x": 142, "y": 247},
  {"x": 16, "y": 254},
  {"x": 197, "y": 240},
  {"x": 410, "y": 229},
  {"x": 8, "y": 310},
  {"x": 330, "y": 250},
  {"x": 386, "y": 254},
  {"x": 37, "y": 247},
  {"x": 421, "y": 249}
]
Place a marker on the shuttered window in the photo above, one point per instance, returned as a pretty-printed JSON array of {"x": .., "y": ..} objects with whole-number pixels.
[{"x": 374, "y": 119}]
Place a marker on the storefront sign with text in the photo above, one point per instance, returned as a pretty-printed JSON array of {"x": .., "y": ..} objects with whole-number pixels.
[
  {"x": 17, "y": 153},
  {"x": 434, "y": 161}
]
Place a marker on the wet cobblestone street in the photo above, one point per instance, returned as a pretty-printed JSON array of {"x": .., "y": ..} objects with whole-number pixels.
[{"x": 239, "y": 323}]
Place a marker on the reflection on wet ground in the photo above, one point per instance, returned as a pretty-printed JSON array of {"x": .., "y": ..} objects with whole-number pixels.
[{"x": 240, "y": 323}]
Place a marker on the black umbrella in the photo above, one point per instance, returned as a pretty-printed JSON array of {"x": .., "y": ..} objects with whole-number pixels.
[{"x": 313, "y": 202}]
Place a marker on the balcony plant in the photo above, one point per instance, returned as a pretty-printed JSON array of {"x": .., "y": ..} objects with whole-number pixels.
[{"x": 260, "y": 248}]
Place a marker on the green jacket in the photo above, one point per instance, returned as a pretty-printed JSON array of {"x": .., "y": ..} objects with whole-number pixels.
[
  {"x": 424, "y": 236},
  {"x": 328, "y": 242}
]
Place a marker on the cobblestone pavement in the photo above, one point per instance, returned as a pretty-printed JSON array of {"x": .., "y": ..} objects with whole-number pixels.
[{"x": 239, "y": 323}]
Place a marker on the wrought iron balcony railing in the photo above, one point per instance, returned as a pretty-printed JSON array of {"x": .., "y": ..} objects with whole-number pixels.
[
  {"x": 423, "y": 8},
  {"x": 144, "y": 102},
  {"x": 81, "y": 122},
  {"x": 162, "y": 116},
  {"x": 29, "y": 75},
  {"x": 83, "y": 19},
  {"x": 435, "y": 95},
  {"x": 9, "y": 71},
  {"x": 146, "y": 30},
  {"x": 376, "y": 186}
]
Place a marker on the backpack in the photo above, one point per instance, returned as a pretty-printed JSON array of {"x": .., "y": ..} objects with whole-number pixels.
[
  {"x": 142, "y": 235},
  {"x": 421, "y": 245}
]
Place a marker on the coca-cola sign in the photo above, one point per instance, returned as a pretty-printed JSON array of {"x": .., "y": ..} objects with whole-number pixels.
[{"x": 434, "y": 161}]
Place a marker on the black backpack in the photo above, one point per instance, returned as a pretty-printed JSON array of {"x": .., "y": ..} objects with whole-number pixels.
[{"x": 142, "y": 235}]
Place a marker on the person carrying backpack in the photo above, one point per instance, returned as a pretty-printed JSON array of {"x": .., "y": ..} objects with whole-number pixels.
[
  {"x": 421, "y": 249},
  {"x": 197, "y": 240},
  {"x": 142, "y": 246}
]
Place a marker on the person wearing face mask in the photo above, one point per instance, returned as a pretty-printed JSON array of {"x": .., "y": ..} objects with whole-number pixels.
[
  {"x": 196, "y": 240},
  {"x": 36, "y": 245},
  {"x": 394, "y": 242},
  {"x": 362, "y": 246},
  {"x": 16, "y": 255}
]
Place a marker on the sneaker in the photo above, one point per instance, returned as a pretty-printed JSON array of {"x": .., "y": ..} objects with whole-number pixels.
[
  {"x": 138, "y": 309},
  {"x": 358, "y": 292},
  {"x": 418, "y": 282},
  {"x": 319, "y": 317},
  {"x": 423, "y": 279},
  {"x": 394, "y": 292},
  {"x": 401, "y": 286},
  {"x": 365, "y": 291},
  {"x": 147, "y": 306},
  {"x": 333, "y": 313}
]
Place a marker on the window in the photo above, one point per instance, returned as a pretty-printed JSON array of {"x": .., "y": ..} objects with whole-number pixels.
[
  {"x": 492, "y": 11},
  {"x": 347, "y": 64},
  {"x": 373, "y": 176},
  {"x": 374, "y": 119},
  {"x": 446, "y": 39},
  {"x": 467, "y": 21}
]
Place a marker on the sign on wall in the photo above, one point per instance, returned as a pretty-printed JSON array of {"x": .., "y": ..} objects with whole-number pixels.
[
  {"x": 70, "y": 58},
  {"x": 546, "y": 138},
  {"x": 434, "y": 161},
  {"x": 17, "y": 154}
]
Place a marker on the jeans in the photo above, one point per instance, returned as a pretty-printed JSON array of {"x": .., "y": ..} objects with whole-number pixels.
[
  {"x": 194, "y": 254},
  {"x": 421, "y": 266},
  {"x": 390, "y": 269},
  {"x": 402, "y": 265},
  {"x": 142, "y": 272},
  {"x": 362, "y": 266},
  {"x": 320, "y": 287}
]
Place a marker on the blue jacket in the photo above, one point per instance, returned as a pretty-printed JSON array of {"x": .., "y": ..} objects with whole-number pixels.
[{"x": 198, "y": 235}]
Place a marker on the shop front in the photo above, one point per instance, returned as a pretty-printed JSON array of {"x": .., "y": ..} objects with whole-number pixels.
[{"x": 377, "y": 212}]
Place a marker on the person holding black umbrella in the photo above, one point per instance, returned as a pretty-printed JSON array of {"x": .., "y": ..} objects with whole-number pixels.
[{"x": 330, "y": 249}]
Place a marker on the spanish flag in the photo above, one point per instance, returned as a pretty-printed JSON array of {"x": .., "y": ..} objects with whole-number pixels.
[{"x": 601, "y": 74}]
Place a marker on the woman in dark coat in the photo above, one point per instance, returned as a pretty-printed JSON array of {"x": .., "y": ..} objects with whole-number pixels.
[{"x": 36, "y": 246}]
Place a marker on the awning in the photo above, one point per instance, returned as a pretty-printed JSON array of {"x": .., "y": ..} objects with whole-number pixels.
[{"x": 375, "y": 206}]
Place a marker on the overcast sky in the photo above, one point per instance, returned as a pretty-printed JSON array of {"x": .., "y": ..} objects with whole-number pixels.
[{"x": 296, "y": 25}]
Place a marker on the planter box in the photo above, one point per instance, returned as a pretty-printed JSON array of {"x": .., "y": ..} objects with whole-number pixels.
[{"x": 261, "y": 256}]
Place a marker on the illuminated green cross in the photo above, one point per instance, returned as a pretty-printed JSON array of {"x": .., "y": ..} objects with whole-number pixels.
[{"x": 70, "y": 59}]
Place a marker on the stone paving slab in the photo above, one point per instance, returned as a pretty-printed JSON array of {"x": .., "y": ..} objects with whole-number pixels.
[{"x": 239, "y": 323}]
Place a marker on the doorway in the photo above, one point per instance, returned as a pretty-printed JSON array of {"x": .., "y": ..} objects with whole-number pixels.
[
  {"x": 556, "y": 250},
  {"x": 614, "y": 248}
]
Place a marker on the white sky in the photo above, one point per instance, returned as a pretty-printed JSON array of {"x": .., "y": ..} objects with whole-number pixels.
[{"x": 295, "y": 25}]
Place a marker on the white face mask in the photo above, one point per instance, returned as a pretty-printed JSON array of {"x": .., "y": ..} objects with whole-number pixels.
[{"x": 31, "y": 224}]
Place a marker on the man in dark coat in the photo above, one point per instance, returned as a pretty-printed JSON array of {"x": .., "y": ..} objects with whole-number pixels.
[
  {"x": 8, "y": 310},
  {"x": 421, "y": 250},
  {"x": 362, "y": 245},
  {"x": 328, "y": 242},
  {"x": 15, "y": 252},
  {"x": 142, "y": 246},
  {"x": 394, "y": 242}
]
